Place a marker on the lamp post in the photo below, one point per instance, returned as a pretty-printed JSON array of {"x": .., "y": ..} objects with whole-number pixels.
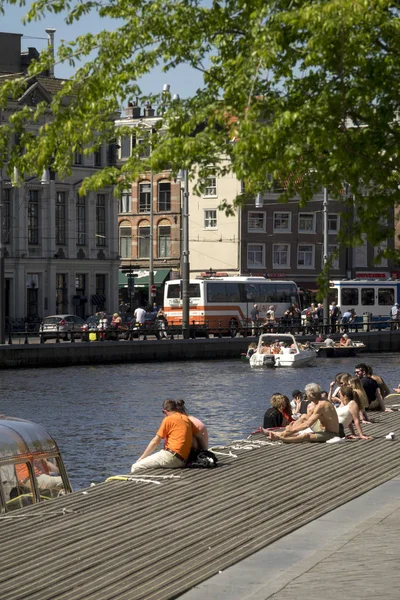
[
  {"x": 183, "y": 176},
  {"x": 151, "y": 237},
  {"x": 2, "y": 276},
  {"x": 325, "y": 257}
]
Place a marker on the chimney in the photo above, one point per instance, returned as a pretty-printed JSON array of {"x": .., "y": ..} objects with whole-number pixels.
[
  {"x": 133, "y": 110},
  {"x": 148, "y": 111},
  {"x": 50, "y": 32}
]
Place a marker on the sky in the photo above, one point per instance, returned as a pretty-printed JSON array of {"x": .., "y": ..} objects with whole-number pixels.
[{"x": 183, "y": 80}]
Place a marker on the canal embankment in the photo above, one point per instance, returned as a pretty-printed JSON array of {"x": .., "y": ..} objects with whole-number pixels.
[
  {"x": 64, "y": 354},
  {"x": 158, "y": 535}
]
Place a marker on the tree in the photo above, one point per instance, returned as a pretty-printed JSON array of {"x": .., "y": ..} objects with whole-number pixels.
[{"x": 305, "y": 91}]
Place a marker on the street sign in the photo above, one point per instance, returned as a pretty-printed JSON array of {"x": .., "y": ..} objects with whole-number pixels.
[{"x": 153, "y": 290}]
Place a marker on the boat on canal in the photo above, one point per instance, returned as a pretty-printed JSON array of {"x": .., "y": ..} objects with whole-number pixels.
[
  {"x": 284, "y": 351},
  {"x": 31, "y": 467},
  {"x": 337, "y": 351}
]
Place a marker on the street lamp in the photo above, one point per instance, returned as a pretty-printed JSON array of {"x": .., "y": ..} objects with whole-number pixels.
[
  {"x": 325, "y": 257},
  {"x": 183, "y": 177},
  {"x": 2, "y": 276}
]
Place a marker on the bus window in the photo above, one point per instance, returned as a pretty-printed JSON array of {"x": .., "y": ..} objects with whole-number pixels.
[
  {"x": 285, "y": 293},
  {"x": 385, "y": 296},
  {"x": 194, "y": 290},
  {"x": 174, "y": 290},
  {"x": 367, "y": 296},
  {"x": 349, "y": 297},
  {"x": 216, "y": 291},
  {"x": 232, "y": 292},
  {"x": 268, "y": 293},
  {"x": 251, "y": 292}
]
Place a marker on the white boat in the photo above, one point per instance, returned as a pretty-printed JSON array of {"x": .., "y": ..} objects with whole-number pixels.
[{"x": 290, "y": 355}]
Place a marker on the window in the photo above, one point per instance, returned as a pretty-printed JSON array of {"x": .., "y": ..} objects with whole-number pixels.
[
  {"x": 174, "y": 290},
  {"x": 367, "y": 296},
  {"x": 101, "y": 289},
  {"x": 216, "y": 291},
  {"x": 164, "y": 241},
  {"x": 349, "y": 296},
  {"x": 335, "y": 260},
  {"x": 77, "y": 158},
  {"x": 282, "y": 222},
  {"x": 144, "y": 197},
  {"x": 144, "y": 146},
  {"x": 306, "y": 222},
  {"x": 6, "y": 216},
  {"x": 125, "y": 241},
  {"x": 256, "y": 221},
  {"x": 385, "y": 296},
  {"x": 305, "y": 256},
  {"x": 281, "y": 255},
  {"x": 125, "y": 201},
  {"x": 210, "y": 186},
  {"x": 97, "y": 158},
  {"x": 144, "y": 240},
  {"x": 382, "y": 261},
  {"x": 33, "y": 217},
  {"x": 333, "y": 223},
  {"x": 101, "y": 220},
  {"x": 164, "y": 196},
  {"x": 210, "y": 219},
  {"x": 126, "y": 146},
  {"x": 61, "y": 294},
  {"x": 81, "y": 220},
  {"x": 61, "y": 222},
  {"x": 255, "y": 256}
]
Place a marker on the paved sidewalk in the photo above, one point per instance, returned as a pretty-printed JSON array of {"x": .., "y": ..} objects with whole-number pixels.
[{"x": 352, "y": 553}]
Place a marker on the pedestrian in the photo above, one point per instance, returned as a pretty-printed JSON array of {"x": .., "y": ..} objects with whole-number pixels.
[
  {"x": 334, "y": 316},
  {"x": 254, "y": 314}
]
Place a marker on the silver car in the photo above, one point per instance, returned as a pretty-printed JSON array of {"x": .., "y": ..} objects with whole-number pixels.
[{"x": 64, "y": 324}]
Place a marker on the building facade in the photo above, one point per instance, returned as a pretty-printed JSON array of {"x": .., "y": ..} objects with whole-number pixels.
[
  {"x": 214, "y": 236},
  {"x": 284, "y": 240},
  {"x": 149, "y": 217},
  {"x": 61, "y": 249}
]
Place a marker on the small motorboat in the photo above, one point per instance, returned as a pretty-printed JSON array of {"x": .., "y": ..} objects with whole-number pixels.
[
  {"x": 284, "y": 351},
  {"x": 338, "y": 351}
]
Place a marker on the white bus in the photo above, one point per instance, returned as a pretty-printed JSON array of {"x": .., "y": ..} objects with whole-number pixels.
[
  {"x": 366, "y": 296},
  {"x": 225, "y": 303}
]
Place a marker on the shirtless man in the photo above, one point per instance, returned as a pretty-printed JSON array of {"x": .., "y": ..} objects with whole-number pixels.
[{"x": 323, "y": 421}]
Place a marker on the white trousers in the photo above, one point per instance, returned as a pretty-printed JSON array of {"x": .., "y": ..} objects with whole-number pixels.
[{"x": 159, "y": 460}]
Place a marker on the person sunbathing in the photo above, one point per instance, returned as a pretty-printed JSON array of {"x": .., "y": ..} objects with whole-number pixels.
[
  {"x": 320, "y": 425},
  {"x": 349, "y": 411}
]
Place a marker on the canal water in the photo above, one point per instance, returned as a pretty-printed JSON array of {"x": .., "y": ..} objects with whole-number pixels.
[{"x": 103, "y": 416}]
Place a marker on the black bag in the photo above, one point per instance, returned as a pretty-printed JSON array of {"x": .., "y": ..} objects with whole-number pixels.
[{"x": 201, "y": 459}]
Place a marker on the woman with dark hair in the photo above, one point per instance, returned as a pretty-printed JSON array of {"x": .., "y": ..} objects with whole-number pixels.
[
  {"x": 178, "y": 432},
  {"x": 180, "y": 405}
]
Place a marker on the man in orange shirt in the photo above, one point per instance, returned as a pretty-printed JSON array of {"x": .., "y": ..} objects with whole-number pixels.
[{"x": 178, "y": 431}]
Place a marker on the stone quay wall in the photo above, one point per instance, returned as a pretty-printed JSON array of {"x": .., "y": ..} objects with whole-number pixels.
[{"x": 84, "y": 353}]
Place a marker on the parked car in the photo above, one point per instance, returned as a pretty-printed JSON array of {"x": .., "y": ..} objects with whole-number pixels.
[
  {"x": 92, "y": 325},
  {"x": 64, "y": 324}
]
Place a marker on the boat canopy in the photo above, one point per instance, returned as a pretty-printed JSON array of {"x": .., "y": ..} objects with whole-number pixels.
[{"x": 21, "y": 438}]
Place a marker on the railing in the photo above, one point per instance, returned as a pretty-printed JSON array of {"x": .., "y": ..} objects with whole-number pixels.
[{"x": 30, "y": 333}]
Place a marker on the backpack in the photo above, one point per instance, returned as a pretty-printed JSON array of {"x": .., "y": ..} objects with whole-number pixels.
[{"x": 201, "y": 459}]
